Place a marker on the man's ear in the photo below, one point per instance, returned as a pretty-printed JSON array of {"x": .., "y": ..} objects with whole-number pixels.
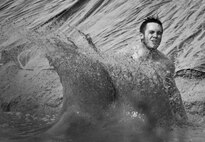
[{"x": 141, "y": 36}]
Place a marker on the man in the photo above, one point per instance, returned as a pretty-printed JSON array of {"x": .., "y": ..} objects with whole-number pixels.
[{"x": 151, "y": 31}]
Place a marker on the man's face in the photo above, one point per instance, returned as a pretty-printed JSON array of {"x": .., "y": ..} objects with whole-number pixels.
[{"x": 152, "y": 35}]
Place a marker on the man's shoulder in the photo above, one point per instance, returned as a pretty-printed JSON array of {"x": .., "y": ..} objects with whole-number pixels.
[
  {"x": 166, "y": 60},
  {"x": 162, "y": 55},
  {"x": 127, "y": 51}
]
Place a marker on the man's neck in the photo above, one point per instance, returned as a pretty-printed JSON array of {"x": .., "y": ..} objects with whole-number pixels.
[{"x": 141, "y": 52}]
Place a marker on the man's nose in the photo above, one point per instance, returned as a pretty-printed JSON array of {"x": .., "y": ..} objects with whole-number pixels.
[{"x": 154, "y": 34}]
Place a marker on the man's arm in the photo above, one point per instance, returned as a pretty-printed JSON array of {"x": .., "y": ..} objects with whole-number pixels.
[{"x": 175, "y": 96}]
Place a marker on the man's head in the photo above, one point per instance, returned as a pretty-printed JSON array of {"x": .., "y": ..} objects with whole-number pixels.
[{"x": 151, "y": 31}]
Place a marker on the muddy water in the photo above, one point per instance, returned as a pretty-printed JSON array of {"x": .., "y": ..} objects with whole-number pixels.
[
  {"x": 16, "y": 127},
  {"x": 24, "y": 124}
]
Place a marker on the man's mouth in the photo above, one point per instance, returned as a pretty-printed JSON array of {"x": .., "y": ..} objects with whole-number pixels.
[{"x": 155, "y": 41}]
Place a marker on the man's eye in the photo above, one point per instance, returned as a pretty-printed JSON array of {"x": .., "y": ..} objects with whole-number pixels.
[
  {"x": 151, "y": 32},
  {"x": 159, "y": 33}
]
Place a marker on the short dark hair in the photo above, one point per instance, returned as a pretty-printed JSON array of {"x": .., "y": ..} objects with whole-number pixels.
[{"x": 150, "y": 20}]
